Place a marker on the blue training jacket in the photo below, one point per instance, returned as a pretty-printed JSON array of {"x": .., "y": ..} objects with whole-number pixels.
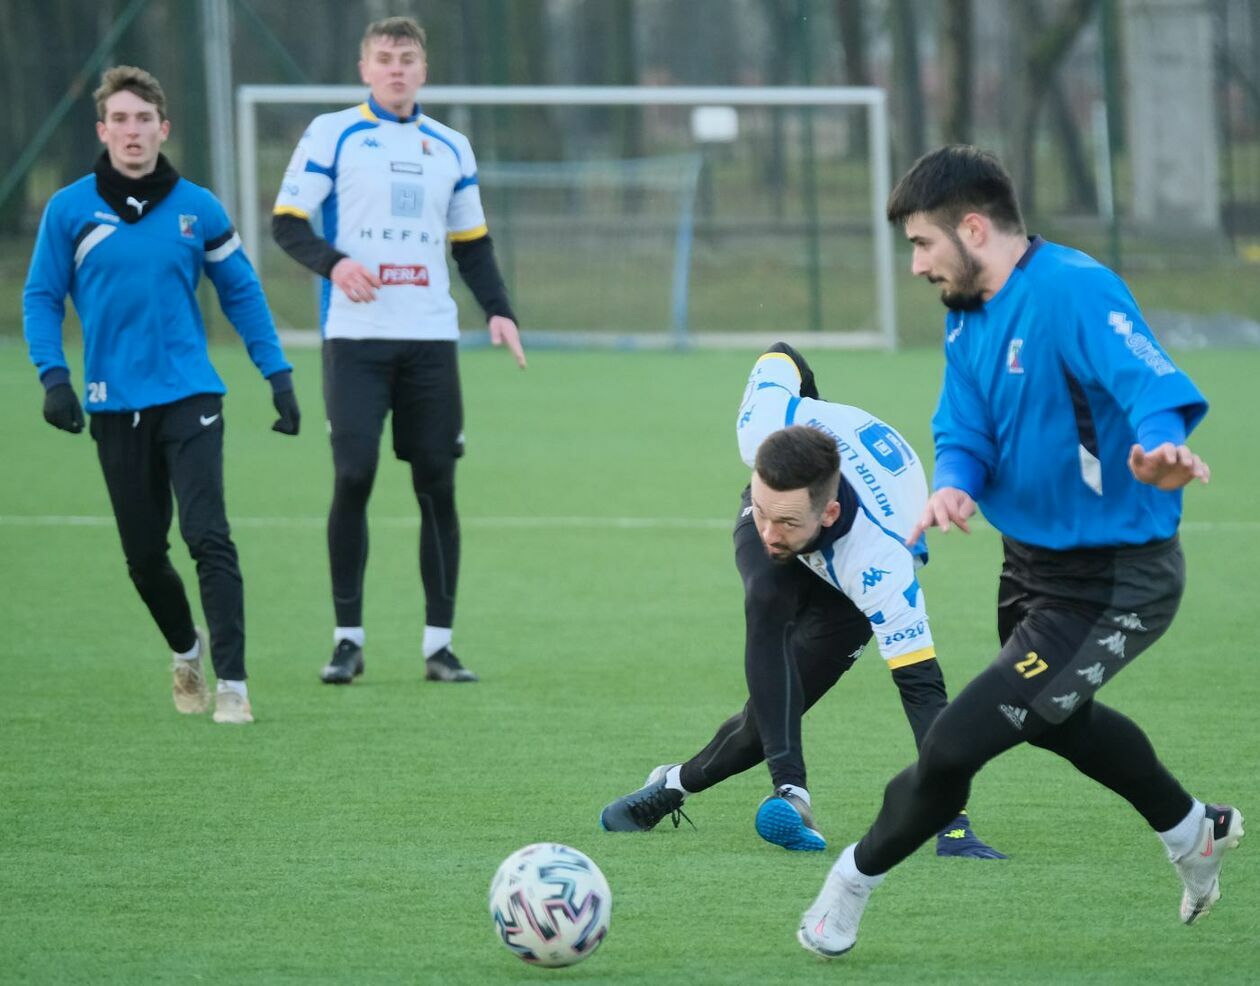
[
  {"x": 134, "y": 286},
  {"x": 1045, "y": 388}
]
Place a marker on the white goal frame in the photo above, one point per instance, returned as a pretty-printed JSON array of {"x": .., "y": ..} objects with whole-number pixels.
[{"x": 874, "y": 99}]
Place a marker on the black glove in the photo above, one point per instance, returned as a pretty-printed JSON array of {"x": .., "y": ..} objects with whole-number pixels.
[
  {"x": 808, "y": 387},
  {"x": 62, "y": 409},
  {"x": 287, "y": 407}
]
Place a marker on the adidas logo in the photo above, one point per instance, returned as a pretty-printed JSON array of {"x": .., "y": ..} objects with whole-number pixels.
[
  {"x": 1015, "y": 714},
  {"x": 1115, "y": 643},
  {"x": 1129, "y": 621},
  {"x": 1093, "y": 674}
]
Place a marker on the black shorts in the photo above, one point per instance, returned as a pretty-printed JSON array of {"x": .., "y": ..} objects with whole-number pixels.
[
  {"x": 1071, "y": 620},
  {"x": 417, "y": 381}
]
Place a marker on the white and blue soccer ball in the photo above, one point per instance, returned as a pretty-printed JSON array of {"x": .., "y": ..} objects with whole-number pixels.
[{"x": 550, "y": 904}]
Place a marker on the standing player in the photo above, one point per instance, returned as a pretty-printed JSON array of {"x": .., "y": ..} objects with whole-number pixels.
[
  {"x": 391, "y": 186},
  {"x": 128, "y": 243},
  {"x": 1066, "y": 422},
  {"x": 818, "y": 544}
]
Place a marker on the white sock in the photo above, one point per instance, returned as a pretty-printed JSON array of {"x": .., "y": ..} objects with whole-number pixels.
[
  {"x": 1184, "y": 836},
  {"x": 233, "y": 686},
  {"x": 800, "y": 792},
  {"x": 352, "y": 634},
  {"x": 673, "y": 778},
  {"x": 435, "y": 638},
  {"x": 848, "y": 869},
  {"x": 190, "y": 655}
]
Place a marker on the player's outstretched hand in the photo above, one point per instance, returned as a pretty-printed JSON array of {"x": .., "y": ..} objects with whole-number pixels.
[
  {"x": 62, "y": 408},
  {"x": 809, "y": 387},
  {"x": 503, "y": 332},
  {"x": 1167, "y": 466},
  {"x": 355, "y": 281},
  {"x": 944, "y": 507},
  {"x": 290, "y": 419}
]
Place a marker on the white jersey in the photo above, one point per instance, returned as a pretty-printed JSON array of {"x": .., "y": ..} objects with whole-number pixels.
[
  {"x": 389, "y": 192},
  {"x": 870, "y": 563}
]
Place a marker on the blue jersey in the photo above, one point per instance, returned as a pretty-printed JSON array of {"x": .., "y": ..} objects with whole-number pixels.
[
  {"x": 134, "y": 286},
  {"x": 1045, "y": 386}
]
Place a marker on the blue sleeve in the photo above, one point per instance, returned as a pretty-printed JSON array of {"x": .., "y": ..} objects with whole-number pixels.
[
  {"x": 44, "y": 298},
  {"x": 240, "y": 293},
  {"x": 962, "y": 417},
  {"x": 1114, "y": 348},
  {"x": 1162, "y": 426},
  {"x": 957, "y": 467}
]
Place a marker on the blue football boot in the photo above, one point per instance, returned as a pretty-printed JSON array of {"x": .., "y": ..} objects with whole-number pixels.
[{"x": 785, "y": 819}]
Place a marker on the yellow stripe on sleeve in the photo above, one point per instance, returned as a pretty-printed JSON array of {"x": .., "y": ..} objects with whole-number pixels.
[
  {"x": 465, "y": 235},
  {"x": 785, "y": 357},
  {"x": 290, "y": 210},
  {"x": 917, "y": 657}
]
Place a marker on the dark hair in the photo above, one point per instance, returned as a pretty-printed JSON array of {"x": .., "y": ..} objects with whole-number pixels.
[
  {"x": 800, "y": 457},
  {"x": 396, "y": 29},
  {"x": 128, "y": 78},
  {"x": 948, "y": 183}
]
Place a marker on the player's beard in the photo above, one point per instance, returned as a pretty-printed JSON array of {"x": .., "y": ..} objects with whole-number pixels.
[{"x": 965, "y": 293}]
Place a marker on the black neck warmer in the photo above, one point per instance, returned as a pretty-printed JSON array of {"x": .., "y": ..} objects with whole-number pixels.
[{"x": 134, "y": 198}]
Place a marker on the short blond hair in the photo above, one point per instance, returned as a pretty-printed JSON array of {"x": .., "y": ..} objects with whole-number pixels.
[
  {"x": 397, "y": 29},
  {"x": 128, "y": 78}
]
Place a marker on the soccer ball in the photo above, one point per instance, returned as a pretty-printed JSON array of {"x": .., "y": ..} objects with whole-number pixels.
[{"x": 551, "y": 904}]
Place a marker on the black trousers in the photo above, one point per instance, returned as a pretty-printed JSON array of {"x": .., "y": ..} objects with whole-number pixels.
[
  {"x": 146, "y": 457},
  {"x": 801, "y": 635},
  {"x": 417, "y": 382},
  {"x": 1069, "y": 621}
]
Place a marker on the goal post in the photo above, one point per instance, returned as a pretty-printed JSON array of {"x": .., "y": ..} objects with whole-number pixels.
[{"x": 745, "y": 267}]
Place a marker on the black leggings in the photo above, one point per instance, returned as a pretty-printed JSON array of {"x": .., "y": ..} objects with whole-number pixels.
[{"x": 1096, "y": 739}]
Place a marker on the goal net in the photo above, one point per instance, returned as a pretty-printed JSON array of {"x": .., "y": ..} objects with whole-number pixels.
[{"x": 642, "y": 216}]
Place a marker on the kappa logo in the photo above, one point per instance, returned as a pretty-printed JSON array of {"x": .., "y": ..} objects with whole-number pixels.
[
  {"x": 1115, "y": 643},
  {"x": 1093, "y": 674},
  {"x": 1015, "y": 714},
  {"x": 370, "y": 142},
  {"x": 1130, "y": 621},
  {"x": 1013, "y": 362},
  {"x": 1066, "y": 702},
  {"x": 872, "y": 577},
  {"x": 187, "y": 226}
]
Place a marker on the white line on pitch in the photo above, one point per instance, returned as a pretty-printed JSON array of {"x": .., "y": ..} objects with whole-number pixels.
[{"x": 624, "y": 523}]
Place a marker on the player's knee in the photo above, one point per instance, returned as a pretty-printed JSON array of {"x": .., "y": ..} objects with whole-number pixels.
[
  {"x": 433, "y": 473},
  {"x": 149, "y": 570},
  {"x": 354, "y": 471},
  {"x": 946, "y": 754},
  {"x": 761, "y": 594},
  {"x": 211, "y": 545}
]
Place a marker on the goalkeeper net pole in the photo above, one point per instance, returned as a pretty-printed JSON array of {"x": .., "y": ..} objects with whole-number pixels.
[{"x": 708, "y": 269}]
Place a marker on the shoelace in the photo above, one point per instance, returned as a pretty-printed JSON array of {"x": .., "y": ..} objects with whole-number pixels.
[{"x": 651, "y": 808}]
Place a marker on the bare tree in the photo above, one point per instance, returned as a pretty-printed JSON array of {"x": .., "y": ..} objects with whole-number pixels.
[
  {"x": 959, "y": 80},
  {"x": 1048, "y": 45},
  {"x": 910, "y": 123},
  {"x": 851, "y": 17}
]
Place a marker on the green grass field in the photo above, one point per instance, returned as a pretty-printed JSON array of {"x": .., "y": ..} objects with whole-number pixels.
[{"x": 351, "y": 834}]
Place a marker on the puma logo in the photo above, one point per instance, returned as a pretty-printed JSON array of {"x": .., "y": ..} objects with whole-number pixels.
[{"x": 137, "y": 204}]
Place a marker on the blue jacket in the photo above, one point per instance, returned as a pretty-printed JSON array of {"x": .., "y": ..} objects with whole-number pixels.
[
  {"x": 134, "y": 287},
  {"x": 1047, "y": 386}
]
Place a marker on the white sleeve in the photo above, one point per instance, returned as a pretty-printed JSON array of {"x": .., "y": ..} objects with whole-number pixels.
[
  {"x": 308, "y": 179},
  {"x": 773, "y": 384},
  {"x": 465, "y": 218},
  {"x": 878, "y": 573}
]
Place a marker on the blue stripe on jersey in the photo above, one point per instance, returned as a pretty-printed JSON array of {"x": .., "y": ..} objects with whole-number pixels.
[
  {"x": 790, "y": 415},
  {"x": 426, "y": 129},
  {"x": 345, "y": 135},
  {"x": 319, "y": 169},
  {"x": 920, "y": 546},
  {"x": 465, "y": 182},
  {"x": 328, "y": 213}
]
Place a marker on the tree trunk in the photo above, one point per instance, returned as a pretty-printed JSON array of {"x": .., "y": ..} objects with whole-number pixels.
[
  {"x": 956, "y": 44},
  {"x": 1047, "y": 46},
  {"x": 1081, "y": 191},
  {"x": 908, "y": 119},
  {"x": 851, "y": 17}
]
